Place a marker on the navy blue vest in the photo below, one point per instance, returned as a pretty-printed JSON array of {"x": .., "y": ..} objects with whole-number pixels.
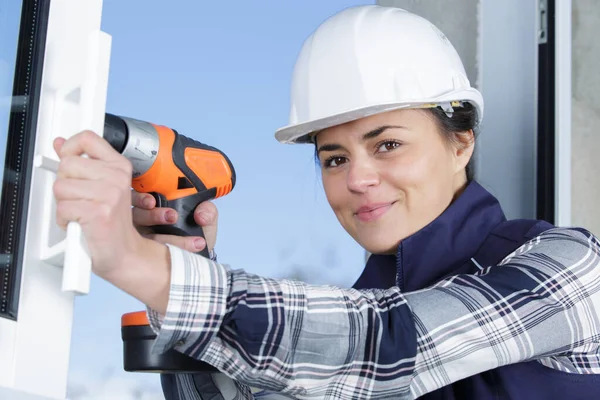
[{"x": 474, "y": 226}]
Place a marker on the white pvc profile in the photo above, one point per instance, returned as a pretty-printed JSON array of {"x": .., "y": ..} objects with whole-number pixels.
[
  {"x": 35, "y": 349},
  {"x": 563, "y": 10}
]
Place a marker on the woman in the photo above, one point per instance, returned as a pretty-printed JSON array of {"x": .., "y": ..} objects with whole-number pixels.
[{"x": 455, "y": 302}]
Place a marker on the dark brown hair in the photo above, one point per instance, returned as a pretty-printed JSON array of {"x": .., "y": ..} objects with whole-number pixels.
[{"x": 463, "y": 119}]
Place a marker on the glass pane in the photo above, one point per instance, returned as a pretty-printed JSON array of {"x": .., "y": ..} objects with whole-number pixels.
[
  {"x": 10, "y": 18},
  {"x": 22, "y": 39}
]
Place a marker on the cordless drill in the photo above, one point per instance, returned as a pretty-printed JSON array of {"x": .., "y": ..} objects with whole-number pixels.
[{"x": 179, "y": 173}]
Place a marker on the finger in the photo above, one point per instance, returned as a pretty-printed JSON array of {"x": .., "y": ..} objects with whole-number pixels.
[
  {"x": 142, "y": 200},
  {"x": 58, "y": 144},
  {"x": 189, "y": 243},
  {"x": 85, "y": 168},
  {"x": 90, "y": 143},
  {"x": 73, "y": 210},
  {"x": 206, "y": 214},
  {"x": 156, "y": 216},
  {"x": 81, "y": 189}
]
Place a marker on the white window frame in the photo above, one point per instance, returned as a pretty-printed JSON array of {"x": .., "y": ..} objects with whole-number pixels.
[
  {"x": 35, "y": 348},
  {"x": 563, "y": 76}
]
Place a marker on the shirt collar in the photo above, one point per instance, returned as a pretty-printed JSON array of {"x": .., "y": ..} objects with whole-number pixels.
[{"x": 442, "y": 246}]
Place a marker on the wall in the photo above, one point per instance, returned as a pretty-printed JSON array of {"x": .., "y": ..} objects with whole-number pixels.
[
  {"x": 586, "y": 115},
  {"x": 460, "y": 24}
]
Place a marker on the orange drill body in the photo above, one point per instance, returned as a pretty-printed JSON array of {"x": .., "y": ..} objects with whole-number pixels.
[
  {"x": 178, "y": 171},
  {"x": 166, "y": 176}
]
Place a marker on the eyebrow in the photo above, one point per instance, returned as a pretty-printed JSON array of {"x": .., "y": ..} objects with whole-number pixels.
[{"x": 369, "y": 135}]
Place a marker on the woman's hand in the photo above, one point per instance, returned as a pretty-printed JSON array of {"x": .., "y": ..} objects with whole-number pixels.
[
  {"x": 95, "y": 192},
  {"x": 145, "y": 213}
]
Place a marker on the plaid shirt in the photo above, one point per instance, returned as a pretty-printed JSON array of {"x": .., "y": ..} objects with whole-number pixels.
[{"x": 331, "y": 343}]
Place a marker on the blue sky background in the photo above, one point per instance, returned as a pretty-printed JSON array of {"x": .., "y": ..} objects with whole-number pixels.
[{"x": 219, "y": 72}]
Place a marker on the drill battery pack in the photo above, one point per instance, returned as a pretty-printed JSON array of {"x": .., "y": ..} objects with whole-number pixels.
[{"x": 138, "y": 338}]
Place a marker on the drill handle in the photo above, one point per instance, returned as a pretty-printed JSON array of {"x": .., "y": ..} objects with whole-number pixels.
[{"x": 185, "y": 207}]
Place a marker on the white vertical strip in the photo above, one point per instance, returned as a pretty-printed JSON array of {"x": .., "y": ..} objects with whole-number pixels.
[{"x": 563, "y": 113}]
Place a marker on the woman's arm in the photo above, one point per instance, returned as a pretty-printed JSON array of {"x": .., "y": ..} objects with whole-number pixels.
[{"x": 325, "y": 342}]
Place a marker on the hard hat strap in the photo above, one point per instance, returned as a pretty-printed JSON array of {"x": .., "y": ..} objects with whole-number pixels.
[{"x": 448, "y": 107}]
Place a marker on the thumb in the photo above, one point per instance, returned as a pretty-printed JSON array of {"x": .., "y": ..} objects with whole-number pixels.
[
  {"x": 206, "y": 214},
  {"x": 58, "y": 144}
]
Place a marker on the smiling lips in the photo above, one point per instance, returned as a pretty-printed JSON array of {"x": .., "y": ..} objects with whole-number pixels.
[{"x": 371, "y": 212}]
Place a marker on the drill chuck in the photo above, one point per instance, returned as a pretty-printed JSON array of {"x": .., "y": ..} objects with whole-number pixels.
[
  {"x": 137, "y": 140},
  {"x": 115, "y": 132}
]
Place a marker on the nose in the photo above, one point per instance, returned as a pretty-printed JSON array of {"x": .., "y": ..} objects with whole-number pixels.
[{"x": 362, "y": 174}]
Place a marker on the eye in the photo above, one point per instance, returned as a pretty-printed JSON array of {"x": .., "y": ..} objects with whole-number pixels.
[
  {"x": 334, "y": 161},
  {"x": 387, "y": 145}
]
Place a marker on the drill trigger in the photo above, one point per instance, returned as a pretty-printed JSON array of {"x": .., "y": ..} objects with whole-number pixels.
[{"x": 161, "y": 201}]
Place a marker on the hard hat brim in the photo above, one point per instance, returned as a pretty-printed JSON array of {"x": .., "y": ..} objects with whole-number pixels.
[{"x": 301, "y": 132}]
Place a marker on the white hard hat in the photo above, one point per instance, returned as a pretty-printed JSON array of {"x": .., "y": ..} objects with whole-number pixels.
[{"x": 371, "y": 59}]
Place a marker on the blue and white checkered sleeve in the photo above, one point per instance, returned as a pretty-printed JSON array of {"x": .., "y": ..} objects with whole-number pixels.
[{"x": 331, "y": 343}]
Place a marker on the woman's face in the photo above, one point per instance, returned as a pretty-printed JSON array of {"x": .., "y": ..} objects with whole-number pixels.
[{"x": 389, "y": 175}]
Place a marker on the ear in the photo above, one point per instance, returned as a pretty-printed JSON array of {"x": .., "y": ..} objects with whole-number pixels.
[{"x": 465, "y": 145}]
